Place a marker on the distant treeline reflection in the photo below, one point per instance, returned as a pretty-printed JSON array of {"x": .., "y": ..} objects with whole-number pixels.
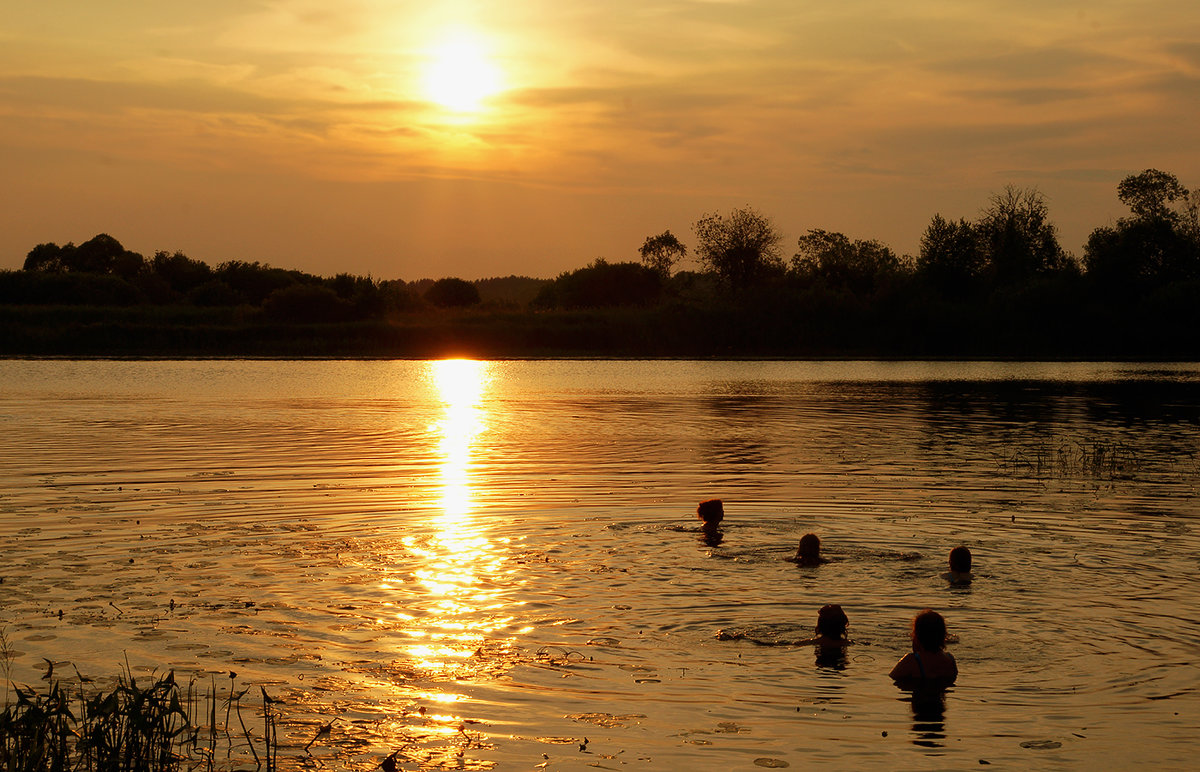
[{"x": 997, "y": 286}]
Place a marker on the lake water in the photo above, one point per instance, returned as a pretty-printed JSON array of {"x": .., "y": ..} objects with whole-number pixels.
[{"x": 483, "y": 564}]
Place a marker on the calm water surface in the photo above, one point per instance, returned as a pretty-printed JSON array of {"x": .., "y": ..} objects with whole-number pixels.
[{"x": 500, "y": 559}]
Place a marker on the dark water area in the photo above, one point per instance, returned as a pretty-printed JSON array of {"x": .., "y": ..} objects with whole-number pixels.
[{"x": 501, "y": 559}]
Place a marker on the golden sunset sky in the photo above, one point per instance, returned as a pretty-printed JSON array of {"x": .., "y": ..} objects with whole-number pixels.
[{"x": 474, "y": 139}]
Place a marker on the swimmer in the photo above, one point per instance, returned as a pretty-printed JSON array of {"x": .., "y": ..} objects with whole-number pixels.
[
  {"x": 831, "y": 628},
  {"x": 928, "y": 663},
  {"x": 960, "y": 566},
  {"x": 809, "y": 551},
  {"x": 712, "y": 512}
]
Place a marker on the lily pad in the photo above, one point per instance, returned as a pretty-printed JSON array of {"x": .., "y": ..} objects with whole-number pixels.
[{"x": 1041, "y": 745}]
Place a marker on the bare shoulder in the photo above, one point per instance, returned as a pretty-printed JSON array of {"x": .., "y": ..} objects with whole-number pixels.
[{"x": 905, "y": 668}]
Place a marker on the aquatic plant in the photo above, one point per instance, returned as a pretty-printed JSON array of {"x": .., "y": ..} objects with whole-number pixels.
[
  {"x": 147, "y": 727},
  {"x": 1068, "y": 458}
]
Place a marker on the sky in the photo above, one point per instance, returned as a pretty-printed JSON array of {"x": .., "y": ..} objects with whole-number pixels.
[{"x": 427, "y": 139}]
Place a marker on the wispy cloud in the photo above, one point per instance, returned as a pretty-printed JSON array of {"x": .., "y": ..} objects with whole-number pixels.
[{"x": 823, "y": 104}]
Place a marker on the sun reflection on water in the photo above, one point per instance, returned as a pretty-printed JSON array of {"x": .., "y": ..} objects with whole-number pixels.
[{"x": 460, "y": 566}]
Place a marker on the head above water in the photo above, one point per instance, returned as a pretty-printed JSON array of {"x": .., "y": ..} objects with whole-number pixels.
[
  {"x": 711, "y": 511},
  {"x": 960, "y": 560},
  {"x": 832, "y": 621},
  {"x": 809, "y": 549},
  {"x": 929, "y": 630}
]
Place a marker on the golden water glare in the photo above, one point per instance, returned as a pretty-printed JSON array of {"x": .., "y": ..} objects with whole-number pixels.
[{"x": 462, "y": 564}]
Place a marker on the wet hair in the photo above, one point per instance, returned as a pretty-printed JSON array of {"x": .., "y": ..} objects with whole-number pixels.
[
  {"x": 711, "y": 511},
  {"x": 929, "y": 630},
  {"x": 832, "y": 621},
  {"x": 960, "y": 560},
  {"x": 809, "y": 549}
]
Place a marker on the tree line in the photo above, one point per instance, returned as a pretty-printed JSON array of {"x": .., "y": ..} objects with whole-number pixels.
[
  {"x": 102, "y": 272},
  {"x": 1011, "y": 246},
  {"x": 998, "y": 284}
]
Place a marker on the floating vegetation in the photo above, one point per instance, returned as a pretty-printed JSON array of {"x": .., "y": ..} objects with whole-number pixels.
[
  {"x": 731, "y": 727},
  {"x": 1041, "y": 745},
  {"x": 446, "y": 751},
  {"x": 556, "y": 655},
  {"x": 607, "y": 719},
  {"x": 1070, "y": 458}
]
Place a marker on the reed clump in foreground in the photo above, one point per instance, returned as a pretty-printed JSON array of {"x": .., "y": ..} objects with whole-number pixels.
[{"x": 142, "y": 727}]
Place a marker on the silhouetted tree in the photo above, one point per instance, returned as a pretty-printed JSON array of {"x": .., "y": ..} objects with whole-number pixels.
[
  {"x": 1018, "y": 238},
  {"x": 602, "y": 284},
  {"x": 397, "y": 296},
  {"x": 742, "y": 249},
  {"x": 47, "y": 258},
  {"x": 362, "y": 292},
  {"x": 306, "y": 303},
  {"x": 452, "y": 293},
  {"x": 1158, "y": 243},
  {"x": 99, "y": 254},
  {"x": 951, "y": 256},
  {"x": 660, "y": 253},
  {"x": 509, "y": 290},
  {"x": 1150, "y": 194},
  {"x": 181, "y": 272},
  {"x": 66, "y": 288},
  {"x": 840, "y": 263},
  {"x": 214, "y": 292},
  {"x": 255, "y": 281}
]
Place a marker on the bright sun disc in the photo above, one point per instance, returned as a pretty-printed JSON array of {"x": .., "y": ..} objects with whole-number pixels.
[{"x": 460, "y": 76}]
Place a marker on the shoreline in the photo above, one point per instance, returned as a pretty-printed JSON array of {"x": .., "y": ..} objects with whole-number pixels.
[{"x": 166, "y": 357}]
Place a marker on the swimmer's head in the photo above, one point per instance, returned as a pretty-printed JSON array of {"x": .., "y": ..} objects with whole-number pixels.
[
  {"x": 711, "y": 511},
  {"x": 809, "y": 549},
  {"x": 832, "y": 621},
  {"x": 960, "y": 560},
  {"x": 929, "y": 630}
]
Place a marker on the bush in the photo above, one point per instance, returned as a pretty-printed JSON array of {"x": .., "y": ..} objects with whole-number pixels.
[
  {"x": 70, "y": 289},
  {"x": 306, "y": 304},
  {"x": 452, "y": 293},
  {"x": 602, "y": 285}
]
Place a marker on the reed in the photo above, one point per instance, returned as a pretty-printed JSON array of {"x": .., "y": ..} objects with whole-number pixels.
[
  {"x": 1072, "y": 458},
  {"x": 136, "y": 726}
]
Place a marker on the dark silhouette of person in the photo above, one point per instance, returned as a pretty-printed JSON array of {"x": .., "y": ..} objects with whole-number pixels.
[
  {"x": 831, "y": 628},
  {"x": 808, "y": 553},
  {"x": 711, "y": 512},
  {"x": 928, "y": 664},
  {"x": 960, "y": 566},
  {"x": 926, "y": 672}
]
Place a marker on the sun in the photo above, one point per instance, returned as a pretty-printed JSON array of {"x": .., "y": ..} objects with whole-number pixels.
[{"x": 460, "y": 76}]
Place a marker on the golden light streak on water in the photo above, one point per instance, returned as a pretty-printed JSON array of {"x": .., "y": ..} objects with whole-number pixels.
[
  {"x": 460, "y": 385},
  {"x": 461, "y": 560}
]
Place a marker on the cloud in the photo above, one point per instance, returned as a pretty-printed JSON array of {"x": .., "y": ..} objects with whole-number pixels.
[{"x": 1188, "y": 52}]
